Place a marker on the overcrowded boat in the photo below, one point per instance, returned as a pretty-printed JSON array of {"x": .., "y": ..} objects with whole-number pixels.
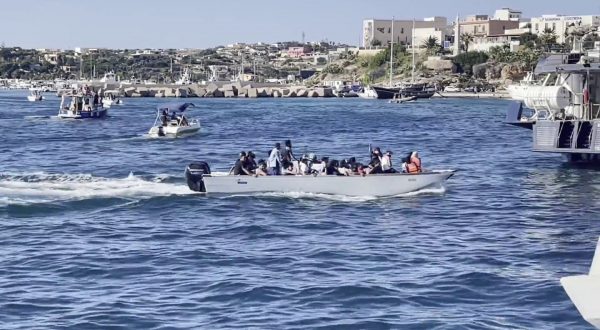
[{"x": 284, "y": 174}]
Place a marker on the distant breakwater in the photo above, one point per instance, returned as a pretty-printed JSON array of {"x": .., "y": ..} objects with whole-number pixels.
[{"x": 230, "y": 90}]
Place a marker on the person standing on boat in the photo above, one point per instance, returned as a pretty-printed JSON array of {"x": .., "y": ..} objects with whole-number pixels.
[
  {"x": 375, "y": 164},
  {"x": 288, "y": 155},
  {"x": 274, "y": 162}
]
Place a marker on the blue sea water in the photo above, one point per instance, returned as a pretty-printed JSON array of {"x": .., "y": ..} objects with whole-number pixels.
[{"x": 99, "y": 231}]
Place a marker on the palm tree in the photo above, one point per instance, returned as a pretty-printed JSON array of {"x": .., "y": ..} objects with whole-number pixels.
[
  {"x": 431, "y": 44},
  {"x": 467, "y": 39}
]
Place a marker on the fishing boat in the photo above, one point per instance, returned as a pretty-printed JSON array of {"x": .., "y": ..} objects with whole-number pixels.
[
  {"x": 199, "y": 178},
  {"x": 584, "y": 291},
  {"x": 171, "y": 121},
  {"x": 35, "y": 95},
  {"x": 81, "y": 106}
]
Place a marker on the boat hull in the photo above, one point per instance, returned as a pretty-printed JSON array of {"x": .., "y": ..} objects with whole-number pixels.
[
  {"x": 388, "y": 93},
  {"x": 381, "y": 185},
  {"x": 95, "y": 114},
  {"x": 174, "y": 131}
]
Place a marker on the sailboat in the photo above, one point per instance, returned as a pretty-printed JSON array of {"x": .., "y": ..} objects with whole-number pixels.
[{"x": 416, "y": 90}]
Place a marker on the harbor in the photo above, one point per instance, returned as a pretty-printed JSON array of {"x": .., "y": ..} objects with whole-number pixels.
[{"x": 339, "y": 167}]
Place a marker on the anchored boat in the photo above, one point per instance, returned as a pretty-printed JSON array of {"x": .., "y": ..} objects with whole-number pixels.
[
  {"x": 584, "y": 291},
  {"x": 81, "y": 106},
  {"x": 199, "y": 178},
  {"x": 566, "y": 113},
  {"x": 171, "y": 121}
]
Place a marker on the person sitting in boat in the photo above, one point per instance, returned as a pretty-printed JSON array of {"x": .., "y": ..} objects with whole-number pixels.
[
  {"x": 375, "y": 164},
  {"x": 240, "y": 166},
  {"x": 261, "y": 170},
  {"x": 184, "y": 121},
  {"x": 274, "y": 162},
  {"x": 289, "y": 169},
  {"x": 251, "y": 161},
  {"x": 386, "y": 163},
  {"x": 344, "y": 168},
  {"x": 174, "y": 116},
  {"x": 413, "y": 163}
]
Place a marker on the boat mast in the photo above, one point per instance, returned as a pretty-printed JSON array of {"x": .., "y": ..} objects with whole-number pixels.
[
  {"x": 412, "y": 80},
  {"x": 392, "y": 53}
]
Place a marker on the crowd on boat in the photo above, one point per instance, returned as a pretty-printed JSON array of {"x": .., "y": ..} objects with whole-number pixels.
[
  {"x": 283, "y": 162},
  {"x": 82, "y": 99},
  {"x": 181, "y": 120}
]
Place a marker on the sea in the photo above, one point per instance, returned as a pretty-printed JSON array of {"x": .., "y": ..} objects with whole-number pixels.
[{"x": 98, "y": 229}]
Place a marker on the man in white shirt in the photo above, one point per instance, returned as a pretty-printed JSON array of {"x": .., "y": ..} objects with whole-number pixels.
[{"x": 274, "y": 161}]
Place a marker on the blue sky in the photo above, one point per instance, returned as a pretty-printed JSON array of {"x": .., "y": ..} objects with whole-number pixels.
[{"x": 202, "y": 24}]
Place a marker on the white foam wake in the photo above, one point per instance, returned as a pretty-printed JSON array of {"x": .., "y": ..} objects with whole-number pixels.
[
  {"x": 343, "y": 198},
  {"x": 24, "y": 189}
]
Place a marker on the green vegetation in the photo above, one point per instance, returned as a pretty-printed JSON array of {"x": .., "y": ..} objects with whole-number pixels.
[
  {"x": 432, "y": 45},
  {"x": 466, "y": 61}
]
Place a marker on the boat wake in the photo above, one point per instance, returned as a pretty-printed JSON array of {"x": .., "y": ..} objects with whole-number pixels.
[
  {"x": 38, "y": 188},
  {"x": 341, "y": 198}
]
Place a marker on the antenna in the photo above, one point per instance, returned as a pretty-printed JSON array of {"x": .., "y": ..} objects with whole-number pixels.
[{"x": 303, "y": 37}]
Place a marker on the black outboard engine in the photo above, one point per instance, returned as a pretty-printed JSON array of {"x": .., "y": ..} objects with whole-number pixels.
[{"x": 194, "y": 175}]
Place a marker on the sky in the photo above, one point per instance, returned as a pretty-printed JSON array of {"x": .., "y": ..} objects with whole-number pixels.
[{"x": 131, "y": 24}]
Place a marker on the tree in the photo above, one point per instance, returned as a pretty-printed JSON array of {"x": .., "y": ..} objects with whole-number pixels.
[
  {"x": 501, "y": 53},
  {"x": 528, "y": 40},
  {"x": 467, "y": 39},
  {"x": 465, "y": 61},
  {"x": 548, "y": 38},
  {"x": 432, "y": 45}
]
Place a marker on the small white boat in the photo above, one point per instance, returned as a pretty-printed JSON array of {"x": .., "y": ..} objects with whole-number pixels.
[
  {"x": 584, "y": 291},
  {"x": 80, "y": 106},
  {"x": 368, "y": 93},
  {"x": 199, "y": 178},
  {"x": 110, "y": 99},
  {"x": 171, "y": 121},
  {"x": 35, "y": 95}
]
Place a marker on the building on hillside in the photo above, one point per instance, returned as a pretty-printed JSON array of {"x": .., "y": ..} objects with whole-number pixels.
[
  {"x": 297, "y": 52},
  {"x": 423, "y": 34},
  {"x": 483, "y": 26},
  {"x": 378, "y": 31},
  {"x": 559, "y": 24},
  {"x": 507, "y": 14}
]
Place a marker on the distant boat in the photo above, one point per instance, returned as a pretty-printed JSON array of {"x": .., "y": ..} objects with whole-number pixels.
[
  {"x": 368, "y": 93},
  {"x": 584, "y": 291},
  {"x": 80, "y": 106},
  {"x": 35, "y": 95},
  {"x": 176, "y": 126}
]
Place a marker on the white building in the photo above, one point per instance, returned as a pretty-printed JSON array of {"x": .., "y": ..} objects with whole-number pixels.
[
  {"x": 422, "y": 34},
  {"x": 380, "y": 31},
  {"x": 559, "y": 24},
  {"x": 507, "y": 14}
]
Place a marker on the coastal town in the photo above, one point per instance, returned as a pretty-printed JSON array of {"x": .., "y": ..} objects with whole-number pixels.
[{"x": 481, "y": 52}]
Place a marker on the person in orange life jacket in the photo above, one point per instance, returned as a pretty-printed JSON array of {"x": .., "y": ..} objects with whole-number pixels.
[{"x": 413, "y": 165}]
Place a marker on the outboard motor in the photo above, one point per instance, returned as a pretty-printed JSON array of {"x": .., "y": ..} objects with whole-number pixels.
[{"x": 194, "y": 174}]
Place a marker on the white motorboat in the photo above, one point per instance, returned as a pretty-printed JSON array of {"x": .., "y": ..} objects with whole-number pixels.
[
  {"x": 176, "y": 124},
  {"x": 80, "y": 106},
  {"x": 35, "y": 95},
  {"x": 368, "y": 93},
  {"x": 584, "y": 291},
  {"x": 199, "y": 178}
]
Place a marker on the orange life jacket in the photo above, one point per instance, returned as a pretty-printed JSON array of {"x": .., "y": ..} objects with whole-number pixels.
[
  {"x": 417, "y": 162},
  {"x": 411, "y": 168}
]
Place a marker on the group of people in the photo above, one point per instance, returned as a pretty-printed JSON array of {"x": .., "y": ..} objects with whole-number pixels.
[
  {"x": 283, "y": 162},
  {"x": 164, "y": 118}
]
